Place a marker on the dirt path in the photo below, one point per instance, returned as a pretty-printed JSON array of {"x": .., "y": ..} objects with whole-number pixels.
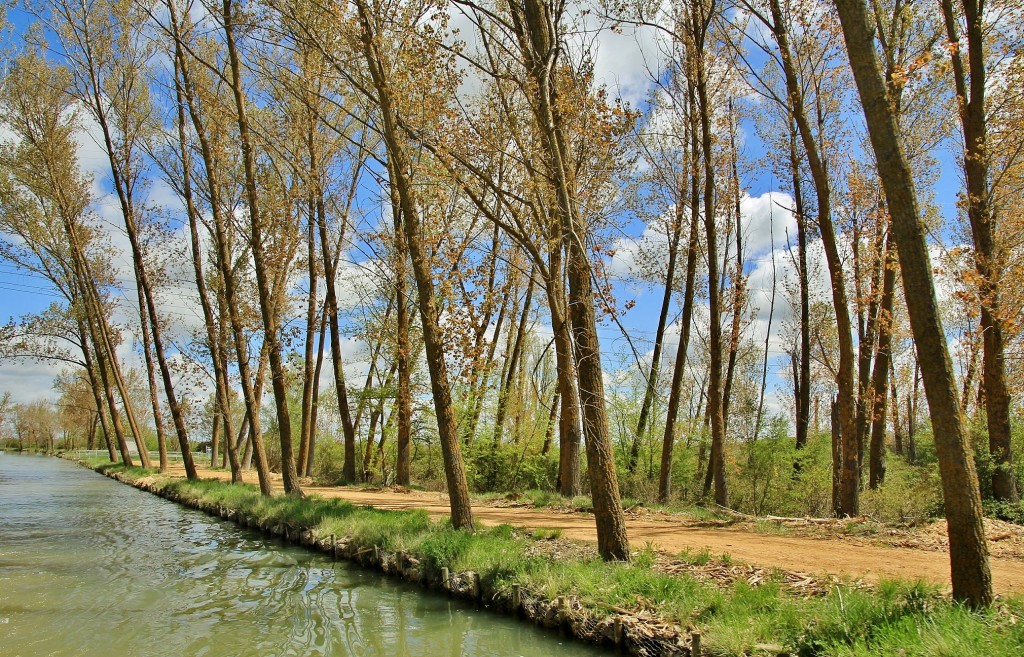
[{"x": 845, "y": 557}]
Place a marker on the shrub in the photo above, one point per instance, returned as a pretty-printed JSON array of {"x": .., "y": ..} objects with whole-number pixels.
[{"x": 910, "y": 493}]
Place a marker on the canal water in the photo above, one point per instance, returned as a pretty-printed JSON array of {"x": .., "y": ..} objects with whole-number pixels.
[{"x": 92, "y": 568}]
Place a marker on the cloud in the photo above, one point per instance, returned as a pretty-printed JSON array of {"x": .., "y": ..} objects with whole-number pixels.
[
  {"x": 766, "y": 220},
  {"x": 28, "y": 381},
  {"x": 632, "y": 255},
  {"x": 627, "y": 59}
]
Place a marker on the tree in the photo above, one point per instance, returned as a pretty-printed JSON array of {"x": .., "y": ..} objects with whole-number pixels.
[
  {"x": 202, "y": 106},
  {"x": 968, "y": 551},
  {"x": 108, "y": 65},
  {"x": 811, "y": 140},
  {"x": 537, "y": 28},
  {"x": 377, "y": 53},
  {"x": 971, "y": 83},
  {"x": 44, "y": 188},
  {"x": 269, "y": 308}
]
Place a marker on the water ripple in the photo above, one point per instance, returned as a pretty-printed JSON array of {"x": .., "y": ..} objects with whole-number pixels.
[{"x": 92, "y": 568}]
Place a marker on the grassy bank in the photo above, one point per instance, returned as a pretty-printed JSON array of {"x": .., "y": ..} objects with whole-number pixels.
[{"x": 656, "y": 611}]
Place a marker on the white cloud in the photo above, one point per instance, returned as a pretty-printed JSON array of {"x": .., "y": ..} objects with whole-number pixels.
[
  {"x": 628, "y": 59},
  {"x": 28, "y": 381},
  {"x": 766, "y": 219}
]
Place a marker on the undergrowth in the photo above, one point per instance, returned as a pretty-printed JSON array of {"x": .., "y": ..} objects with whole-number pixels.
[{"x": 894, "y": 618}]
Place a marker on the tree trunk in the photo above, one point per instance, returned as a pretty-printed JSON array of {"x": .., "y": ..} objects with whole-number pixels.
[
  {"x": 399, "y": 166},
  {"x": 739, "y": 295},
  {"x": 536, "y": 27},
  {"x": 880, "y": 377},
  {"x": 715, "y": 346},
  {"x": 513, "y": 363},
  {"x": 268, "y": 310},
  {"x": 306, "y": 427},
  {"x": 213, "y": 335},
  {"x": 968, "y": 551},
  {"x": 867, "y": 332},
  {"x": 569, "y": 422},
  {"x": 897, "y": 426},
  {"x": 375, "y": 412},
  {"x": 307, "y": 465},
  {"x": 549, "y": 428},
  {"x": 970, "y": 91},
  {"x": 403, "y": 400},
  {"x": 675, "y": 235},
  {"x": 912, "y": 415},
  {"x": 837, "y": 459},
  {"x": 147, "y": 351},
  {"x": 850, "y": 472},
  {"x": 803, "y": 378},
  {"x": 348, "y": 471},
  {"x": 105, "y": 351},
  {"x": 972, "y": 370},
  {"x": 94, "y": 383},
  {"x": 679, "y": 368},
  {"x": 123, "y": 188},
  {"x": 481, "y": 381},
  {"x": 224, "y": 260}
]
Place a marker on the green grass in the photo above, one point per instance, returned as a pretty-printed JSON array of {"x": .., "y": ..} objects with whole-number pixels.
[
  {"x": 695, "y": 557},
  {"x": 894, "y": 618}
]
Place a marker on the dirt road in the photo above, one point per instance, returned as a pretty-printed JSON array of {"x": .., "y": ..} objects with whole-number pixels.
[{"x": 845, "y": 556}]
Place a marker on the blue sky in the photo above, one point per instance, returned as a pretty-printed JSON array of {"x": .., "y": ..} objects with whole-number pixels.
[{"x": 624, "y": 62}]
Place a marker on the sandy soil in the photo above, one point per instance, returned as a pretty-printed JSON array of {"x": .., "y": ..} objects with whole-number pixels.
[{"x": 859, "y": 558}]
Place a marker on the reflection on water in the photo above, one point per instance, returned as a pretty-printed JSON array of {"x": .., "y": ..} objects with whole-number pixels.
[{"x": 90, "y": 567}]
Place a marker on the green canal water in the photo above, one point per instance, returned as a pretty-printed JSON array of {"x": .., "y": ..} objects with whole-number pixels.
[{"x": 93, "y": 568}]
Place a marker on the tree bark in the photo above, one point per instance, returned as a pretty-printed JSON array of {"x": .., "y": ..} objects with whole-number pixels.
[
  {"x": 306, "y": 466},
  {"x": 213, "y": 340},
  {"x": 679, "y": 368},
  {"x": 880, "y": 377},
  {"x": 699, "y": 87},
  {"x": 513, "y": 363},
  {"x": 803, "y": 378},
  {"x": 399, "y": 166},
  {"x": 123, "y": 186},
  {"x": 968, "y": 551},
  {"x": 675, "y": 235},
  {"x": 569, "y": 420},
  {"x": 306, "y": 427},
  {"x": 94, "y": 383},
  {"x": 897, "y": 427},
  {"x": 739, "y": 294},
  {"x": 268, "y": 309},
  {"x": 147, "y": 351},
  {"x": 224, "y": 260},
  {"x": 536, "y": 24},
  {"x": 403, "y": 400},
  {"x": 849, "y": 472},
  {"x": 971, "y": 98}
]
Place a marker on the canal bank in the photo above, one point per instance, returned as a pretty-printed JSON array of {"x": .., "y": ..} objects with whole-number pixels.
[{"x": 638, "y": 606}]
